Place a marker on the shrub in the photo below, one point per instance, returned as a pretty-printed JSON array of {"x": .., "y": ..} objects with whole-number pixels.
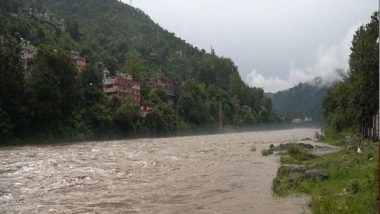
[{"x": 266, "y": 152}]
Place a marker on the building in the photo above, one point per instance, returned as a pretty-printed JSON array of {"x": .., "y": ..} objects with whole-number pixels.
[
  {"x": 28, "y": 52},
  {"x": 27, "y": 12},
  {"x": 162, "y": 82},
  {"x": 302, "y": 121},
  {"x": 246, "y": 109},
  {"x": 106, "y": 73},
  {"x": 297, "y": 121},
  {"x": 145, "y": 111},
  {"x": 79, "y": 61},
  {"x": 43, "y": 17},
  {"x": 122, "y": 86}
]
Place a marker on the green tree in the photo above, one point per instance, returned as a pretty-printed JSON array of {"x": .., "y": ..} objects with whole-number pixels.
[
  {"x": 357, "y": 95},
  {"x": 11, "y": 86},
  {"x": 73, "y": 29},
  {"x": 92, "y": 86},
  {"x": 164, "y": 119},
  {"x": 6, "y": 127},
  {"x": 192, "y": 105},
  {"x": 134, "y": 66},
  {"x": 126, "y": 117},
  {"x": 95, "y": 111},
  {"x": 54, "y": 90},
  {"x": 9, "y": 6}
]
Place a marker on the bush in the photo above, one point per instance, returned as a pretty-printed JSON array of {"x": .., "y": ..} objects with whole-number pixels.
[
  {"x": 267, "y": 152},
  {"x": 299, "y": 153}
]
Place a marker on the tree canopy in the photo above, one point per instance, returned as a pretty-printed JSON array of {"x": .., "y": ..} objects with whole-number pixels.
[{"x": 357, "y": 95}]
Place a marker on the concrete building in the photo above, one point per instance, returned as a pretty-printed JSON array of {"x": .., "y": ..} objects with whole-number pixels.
[
  {"x": 123, "y": 86},
  {"x": 79, "y": 61},
  {"x": 162, "y": 82},
  {"x": 106, "y": 73},
  {"x": 297, "y": 121},
  {"x": 28, "y": 13},
  {"x": 144, "y": 111},
  {"x": 28, "y": 52}
]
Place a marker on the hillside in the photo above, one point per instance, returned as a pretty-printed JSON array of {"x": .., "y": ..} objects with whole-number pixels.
[
  {"x": 113, "y": 32},
  {"x": 303, "y": 100},
  {"x": 110, "y": 34}
]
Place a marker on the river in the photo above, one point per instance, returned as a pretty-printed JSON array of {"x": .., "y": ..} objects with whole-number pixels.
[{"x": 194, "y": 174}]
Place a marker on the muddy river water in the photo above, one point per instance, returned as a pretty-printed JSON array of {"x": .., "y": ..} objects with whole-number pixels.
[{"x": 197, "y": 174}]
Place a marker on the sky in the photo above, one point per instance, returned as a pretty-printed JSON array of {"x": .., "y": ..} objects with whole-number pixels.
[{"x": 275, "y": 43}]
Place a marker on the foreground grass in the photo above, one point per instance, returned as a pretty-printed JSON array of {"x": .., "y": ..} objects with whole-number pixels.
[{"x": 342, "y": 182}]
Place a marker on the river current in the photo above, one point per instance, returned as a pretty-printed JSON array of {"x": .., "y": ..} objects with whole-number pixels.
[{"x": 195, "y": 174}]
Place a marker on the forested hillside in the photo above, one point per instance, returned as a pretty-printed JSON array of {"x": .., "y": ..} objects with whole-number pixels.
[
  {"x": 303, "y": 100},
  {"x": 54, "y": 100},
  {"x": 357, "y": 96}
]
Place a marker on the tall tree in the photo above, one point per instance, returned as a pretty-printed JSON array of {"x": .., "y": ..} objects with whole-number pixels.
[
  {"x": 73, "y": 29},
  {"x": 11, "y": 86},
  {"x": 53, "y": 89},
  {"x": 134, "y": 66},
  {"x": 357, "y": 95}
]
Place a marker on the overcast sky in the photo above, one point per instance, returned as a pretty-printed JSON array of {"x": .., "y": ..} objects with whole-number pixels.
[{"x": 275, "y": 43}]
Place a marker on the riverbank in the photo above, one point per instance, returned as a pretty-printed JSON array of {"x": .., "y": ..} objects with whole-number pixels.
[
  {"x": 45, "y": 140},
  {"x": 344, "y": 181}
]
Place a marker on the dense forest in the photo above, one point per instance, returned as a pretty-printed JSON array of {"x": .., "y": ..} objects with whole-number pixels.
[
  {"x": 357, "y": 95},
  {"x": 55, "y": 101},
  {"x": 303, "y": 100}
]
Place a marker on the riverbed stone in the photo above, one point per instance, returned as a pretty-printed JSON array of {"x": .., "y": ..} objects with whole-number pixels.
[{"x": 315, "y": 174}]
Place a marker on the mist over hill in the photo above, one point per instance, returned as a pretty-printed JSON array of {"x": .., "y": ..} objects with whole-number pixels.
[{"x": 303, "y": 100}]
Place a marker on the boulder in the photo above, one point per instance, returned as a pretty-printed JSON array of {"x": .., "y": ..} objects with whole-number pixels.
[
  {"x": 315, "y": 174},
  {"x": 299, "y": 169},
  {"x": 306, "y": 146}
]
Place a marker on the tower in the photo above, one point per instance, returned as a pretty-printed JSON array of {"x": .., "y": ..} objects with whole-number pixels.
[{"x": 212, "y": 51}]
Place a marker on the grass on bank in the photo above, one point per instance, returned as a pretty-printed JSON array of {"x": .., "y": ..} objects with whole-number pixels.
[{"x": 342, "y": 182}]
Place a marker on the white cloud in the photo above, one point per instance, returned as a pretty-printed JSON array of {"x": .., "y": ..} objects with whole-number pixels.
[
  {"x": 270, "y": 84},
  {"x": 327, "y": 63}
]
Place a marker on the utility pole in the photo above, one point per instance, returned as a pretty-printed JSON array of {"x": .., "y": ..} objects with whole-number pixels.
[
  {"x": 158, "y": 37},
  {"x": 1, "y": 41},
  {"x": 220, "y": 116}
]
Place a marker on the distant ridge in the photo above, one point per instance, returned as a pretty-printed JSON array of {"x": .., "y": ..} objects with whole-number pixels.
[{"x": 303, "y": 100}]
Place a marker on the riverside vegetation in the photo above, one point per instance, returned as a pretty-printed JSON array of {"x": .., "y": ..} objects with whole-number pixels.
[
  {"x": 345, "y": 181},
  {"x": 342, "y": 182}
]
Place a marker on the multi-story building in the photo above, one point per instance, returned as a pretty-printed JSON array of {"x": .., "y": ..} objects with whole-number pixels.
[
  {"x": 145, "y": 111},
  {"x": 162, "y": 82},
  {"x": 79, "y": 61},
  {"x": 106, "y": 72},
  {"x": 27, "y": 12},
  {"x": 28, "y": 52},
  {"x": 123, "y": 86}
]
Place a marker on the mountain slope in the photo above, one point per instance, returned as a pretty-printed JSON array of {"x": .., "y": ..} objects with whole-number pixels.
[
  {"x": 124, "y": 39},
  {"x": 303, "y": 100},
  {"x": 110, "y": 30}
]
